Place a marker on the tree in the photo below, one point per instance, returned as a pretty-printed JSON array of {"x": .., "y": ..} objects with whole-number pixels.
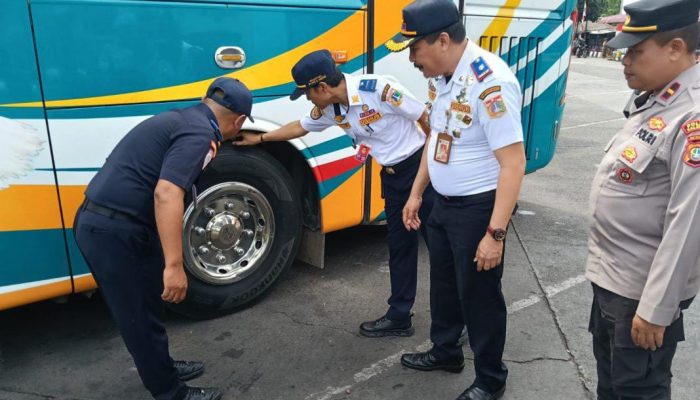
[{"x": 599, "y": 8}]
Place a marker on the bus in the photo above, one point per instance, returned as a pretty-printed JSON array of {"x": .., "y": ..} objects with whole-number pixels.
[{"x": 77, "y": 75}]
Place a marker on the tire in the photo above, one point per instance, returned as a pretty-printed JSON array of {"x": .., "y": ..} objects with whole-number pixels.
[{"x": 243, "y": 234}]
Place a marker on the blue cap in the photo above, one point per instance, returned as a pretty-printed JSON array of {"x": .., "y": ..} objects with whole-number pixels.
[
  {"x": 311, "y": 70},
  {"x": 234, "y": 96},
  {"x": 422, "y": 18}
]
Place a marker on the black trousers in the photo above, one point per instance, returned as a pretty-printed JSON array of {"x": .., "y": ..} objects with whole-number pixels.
[
  {"x": 127, "y": 262},
  {"x": 459, "y": 294},
  {"x": 403, "y": 244},
  {"x": 625, "y": 371}
]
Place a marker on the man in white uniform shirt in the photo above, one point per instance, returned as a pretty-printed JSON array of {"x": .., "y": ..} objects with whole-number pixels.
[
  {"x": 380, "y": 116},
  {"x": 476, "y": 161}
]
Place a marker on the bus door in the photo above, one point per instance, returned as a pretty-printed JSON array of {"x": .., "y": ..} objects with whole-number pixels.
[{"x": 33, "y": 260}]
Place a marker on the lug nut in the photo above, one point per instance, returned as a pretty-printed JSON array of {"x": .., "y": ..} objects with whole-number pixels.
[
  {"x": 229, "y": 206},
  {"x": 203, "y": 250},
  {"x": 221, "y": 258},
  {"x": 245, "y": 215},
  {"x": 200, "y": 231},
  {"x": 248, "y": 233},
  {"x": 239, "y": 251},
  {"x": 209, "y": 212}
]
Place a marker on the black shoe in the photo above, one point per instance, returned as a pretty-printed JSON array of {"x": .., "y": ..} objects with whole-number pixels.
[
  {"x": 386, "y": 327},
  {"x": 475, "y": 393},
  {"x": 187, "y": 370},
  {"x": 197, "y": 393},
  {"x": 428, "y": 362}
]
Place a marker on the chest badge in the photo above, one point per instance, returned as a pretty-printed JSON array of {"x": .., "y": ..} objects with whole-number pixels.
[
  {"x": 625, "y": 175},
  {"x": 629, "y": 154},
  {"x": 657, "y": 124},
  {"x": 368, "y": 116}
]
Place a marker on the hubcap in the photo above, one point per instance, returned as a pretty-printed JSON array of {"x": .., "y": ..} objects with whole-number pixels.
[{"x": 228, "y": 234}]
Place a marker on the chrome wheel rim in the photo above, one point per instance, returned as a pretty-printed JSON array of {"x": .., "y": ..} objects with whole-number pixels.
[{"x": 228, "y": 234}]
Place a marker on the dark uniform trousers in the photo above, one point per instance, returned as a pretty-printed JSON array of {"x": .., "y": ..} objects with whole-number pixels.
[
  {"x": 403, "y": 244},
  {"x": 126, "y": 260},
  {"x": 625, "y": 371},
  {"x": 459, "y": 294}
]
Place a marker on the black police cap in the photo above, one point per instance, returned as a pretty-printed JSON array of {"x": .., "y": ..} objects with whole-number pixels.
[
  {"x": 233, "y": 95},
  {"x": 312, "y": 69},
  {"x": 422, "y": 18},
  {"x": 647, "y": 17}
]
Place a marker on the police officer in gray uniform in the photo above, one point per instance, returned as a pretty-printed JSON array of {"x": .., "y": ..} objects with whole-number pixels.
[
  {"x": 475, "y": 160},
  {"x": 644, "y": 245}
]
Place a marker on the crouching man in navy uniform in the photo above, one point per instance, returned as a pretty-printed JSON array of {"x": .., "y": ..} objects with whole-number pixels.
[
  {"x": 380, "y": 116},
  {"x": 129, "y": 228},
  {"x": 475, "y": 160}
]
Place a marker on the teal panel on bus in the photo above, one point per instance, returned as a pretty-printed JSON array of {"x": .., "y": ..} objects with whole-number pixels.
[
  {"x": 112, "y": 47},
  {"x": 30, "y": 256},
  {"x": 18, "y": 73},
  {"x": 343, "y": 4}
]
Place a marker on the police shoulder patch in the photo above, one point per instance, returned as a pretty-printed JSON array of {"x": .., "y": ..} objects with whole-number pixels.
[
  {"x": 487, "y": 92},
  {"x": 691, "y": 127},
  {"x": 691, "y": 157},
  {"x": 368, "y": 85},
  {"x": 316, "y": 113}
]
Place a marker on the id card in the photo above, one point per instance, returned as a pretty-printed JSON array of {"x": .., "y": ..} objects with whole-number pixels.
[
  {"x": 363, "y": 153},
  {"x": 443, "y": 148}
]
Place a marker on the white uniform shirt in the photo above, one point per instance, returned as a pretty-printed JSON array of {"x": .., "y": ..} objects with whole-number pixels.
[
  {"x": 491, "y": 122},
  {"x": 381, "y": 114}
]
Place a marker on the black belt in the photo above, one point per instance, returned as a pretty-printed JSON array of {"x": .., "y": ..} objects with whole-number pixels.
[
  {"x": 108, "y": 212},
  {"x": 472, "y": 198},
  {"x": 409, "y": 162}
]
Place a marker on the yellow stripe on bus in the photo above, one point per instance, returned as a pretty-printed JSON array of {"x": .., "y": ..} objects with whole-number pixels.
[
  {"x": 272, "y": 72},
  {"x": 34, "y": 294},
  {"x": 501, "y": 22}
]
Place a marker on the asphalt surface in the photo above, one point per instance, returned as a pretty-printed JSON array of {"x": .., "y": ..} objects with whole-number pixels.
[{"x": 301, "y": 341}]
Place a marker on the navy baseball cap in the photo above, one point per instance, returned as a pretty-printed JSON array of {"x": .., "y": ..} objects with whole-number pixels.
[
  {"x": 422, "y": 18},
  {"x": 311, "y": 70},
  {"x": 647, "y": 17},
  {"x": 234, "y": 96}
]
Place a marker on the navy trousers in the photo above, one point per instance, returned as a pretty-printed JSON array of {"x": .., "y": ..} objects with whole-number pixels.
[
  {"x": 403, "y": 244},
  {"x": 459, "y": 294},
  {"x": 126, "y": 260}
]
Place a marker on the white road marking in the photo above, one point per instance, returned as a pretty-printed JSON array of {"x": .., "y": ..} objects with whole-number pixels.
[
  {"x": 592, "y": 123},
  {"x": 525, "y": 212},
  {"x": 383, "y": 365}
]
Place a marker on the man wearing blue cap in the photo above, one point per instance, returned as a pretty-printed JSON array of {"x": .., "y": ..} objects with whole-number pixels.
[
  {"x": 643, "y": 253},
  {"x": 380, "y": 116},
  {"x": 476, "y": 162},
  {"x": 129, "y": 227}
]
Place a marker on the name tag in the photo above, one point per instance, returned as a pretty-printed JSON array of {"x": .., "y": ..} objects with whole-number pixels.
[
  {"x": 443, "y": 148},
  {"x": 363, "y": 153}
]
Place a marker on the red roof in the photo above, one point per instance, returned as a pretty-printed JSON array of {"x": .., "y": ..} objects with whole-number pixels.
[{"x": 613, "y": 19}]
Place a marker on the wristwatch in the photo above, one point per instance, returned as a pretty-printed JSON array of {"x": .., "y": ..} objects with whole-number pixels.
[{"x": 497, "y": 233}]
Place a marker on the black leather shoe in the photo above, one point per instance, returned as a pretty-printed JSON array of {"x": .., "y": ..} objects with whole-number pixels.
[
  {"x": 475, "y": 393},
  {"x": 197, "y": 393},
  {"x": 386, "y": 327},
  {"x": 187, "y": 370},
  {"x": 428, "y": 362}
]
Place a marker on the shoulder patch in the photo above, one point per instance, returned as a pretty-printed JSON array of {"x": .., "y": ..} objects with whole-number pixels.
[
  {"x": 691, "y": 127},
  {"x": 316, "y": 113},
  {"x": 495, "y": 106},
  {"x": 368, "y": 85},
  {"x": 487, "y": 92},
  {"x": 385, "y": 91},
  {"x": 481, "y": 69},
  {"x": 395, "y": 97},
  {"x": 691, "y": 157}
]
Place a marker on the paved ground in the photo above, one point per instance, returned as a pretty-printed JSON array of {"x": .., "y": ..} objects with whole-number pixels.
[{"x": 300, "y": 343}]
